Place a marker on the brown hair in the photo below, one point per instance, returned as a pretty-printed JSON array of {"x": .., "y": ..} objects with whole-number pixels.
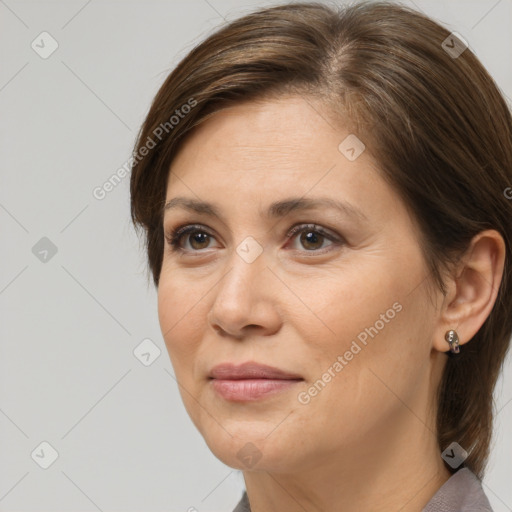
[{"x": 435, "y": 122}]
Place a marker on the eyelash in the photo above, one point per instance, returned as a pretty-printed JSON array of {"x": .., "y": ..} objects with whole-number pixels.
[{"x": 174, "y": 237}]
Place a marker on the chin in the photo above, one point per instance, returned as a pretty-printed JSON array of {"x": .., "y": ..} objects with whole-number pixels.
[{"x": 247, "y": 451}]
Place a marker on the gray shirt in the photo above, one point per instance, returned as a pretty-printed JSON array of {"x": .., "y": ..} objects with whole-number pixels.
[{"x": 462, "y": 492}]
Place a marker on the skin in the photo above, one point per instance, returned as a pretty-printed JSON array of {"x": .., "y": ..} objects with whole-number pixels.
[{"x": 367, "y": 440}]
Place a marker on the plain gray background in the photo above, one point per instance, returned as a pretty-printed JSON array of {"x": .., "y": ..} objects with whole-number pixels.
[{"x": 71, "y": 320}]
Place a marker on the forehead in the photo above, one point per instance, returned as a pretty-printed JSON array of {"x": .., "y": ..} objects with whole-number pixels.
[
  {"x": 281, "y": 139},
  {"x": 266, "y": 151}
]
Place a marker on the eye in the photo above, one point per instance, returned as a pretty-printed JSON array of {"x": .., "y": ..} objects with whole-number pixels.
[
  {"x": 199, "y": 240},
  {"x": 312, "y": 237}
]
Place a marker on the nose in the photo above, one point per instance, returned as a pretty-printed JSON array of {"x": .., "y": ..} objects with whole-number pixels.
[{"x": 246, "y": 299}]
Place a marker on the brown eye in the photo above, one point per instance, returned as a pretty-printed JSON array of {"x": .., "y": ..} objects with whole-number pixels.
[
  {"x": 197, "y": 236},
  {"x": 312, "y": 237},
  {"x": 198, "y": 240}
]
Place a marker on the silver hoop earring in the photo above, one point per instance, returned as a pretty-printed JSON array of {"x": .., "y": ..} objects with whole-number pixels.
[{"x": 453, "y": 340}]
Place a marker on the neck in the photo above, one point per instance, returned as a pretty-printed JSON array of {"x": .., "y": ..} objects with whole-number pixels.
[{"x": 398, "y": 468}]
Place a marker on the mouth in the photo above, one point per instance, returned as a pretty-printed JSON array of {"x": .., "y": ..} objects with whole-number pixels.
[{"x": 250, "y": 381}]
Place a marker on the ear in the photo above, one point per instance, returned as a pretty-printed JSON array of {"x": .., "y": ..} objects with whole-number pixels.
[{"x": 471, "y": 289}]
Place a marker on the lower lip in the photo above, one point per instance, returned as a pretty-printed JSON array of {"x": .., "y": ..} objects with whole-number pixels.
[{"x": 250, "y": 389}]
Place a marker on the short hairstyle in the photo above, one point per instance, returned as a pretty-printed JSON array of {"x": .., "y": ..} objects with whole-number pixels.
[{"x": 433, "y": 119}]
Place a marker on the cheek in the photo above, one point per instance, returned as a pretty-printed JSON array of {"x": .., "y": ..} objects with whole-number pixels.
[
  {"x": 377, "y": 320},
  {"x": 373, "y": 385},
  {"x": 347, "y": 303},
  {"x": 178, "y": 317},
  {"x": 383, "y": 335}
]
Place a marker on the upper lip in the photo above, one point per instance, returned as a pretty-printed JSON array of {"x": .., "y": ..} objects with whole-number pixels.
[{"x": 250, "y": 370}]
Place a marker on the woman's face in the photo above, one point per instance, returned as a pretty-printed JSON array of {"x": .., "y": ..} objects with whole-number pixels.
[{"x": 342, "y": 305}]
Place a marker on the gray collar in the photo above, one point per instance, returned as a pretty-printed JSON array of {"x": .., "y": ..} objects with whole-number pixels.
[{"x": 462, "y": 492}]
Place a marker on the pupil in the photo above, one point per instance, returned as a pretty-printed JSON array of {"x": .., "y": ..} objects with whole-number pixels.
[
  {"x": 310, "y": 237},
  {"x": 199, "y": 235}
]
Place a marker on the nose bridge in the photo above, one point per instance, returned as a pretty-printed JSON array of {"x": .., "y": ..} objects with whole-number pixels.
[
  {"x": 246, "y": 265},
  {"x": 241, "y": 288}
]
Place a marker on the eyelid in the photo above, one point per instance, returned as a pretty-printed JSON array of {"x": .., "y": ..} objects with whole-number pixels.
[{"x": 297, "y": 228}]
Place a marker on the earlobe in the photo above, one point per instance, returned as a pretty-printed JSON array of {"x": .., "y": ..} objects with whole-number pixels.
[{"x": 472, "y": 291}]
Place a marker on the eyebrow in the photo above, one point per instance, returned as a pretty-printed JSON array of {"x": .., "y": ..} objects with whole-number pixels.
[{"x": 276, "y": 210}]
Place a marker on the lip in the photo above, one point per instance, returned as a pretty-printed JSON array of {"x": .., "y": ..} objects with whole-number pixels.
[
  {"x": 250, "y": 381},
  {"x": 250, "y": 370}
]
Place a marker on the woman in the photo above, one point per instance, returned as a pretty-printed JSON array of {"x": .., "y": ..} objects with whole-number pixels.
[{"x": 323, "y": 193}]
